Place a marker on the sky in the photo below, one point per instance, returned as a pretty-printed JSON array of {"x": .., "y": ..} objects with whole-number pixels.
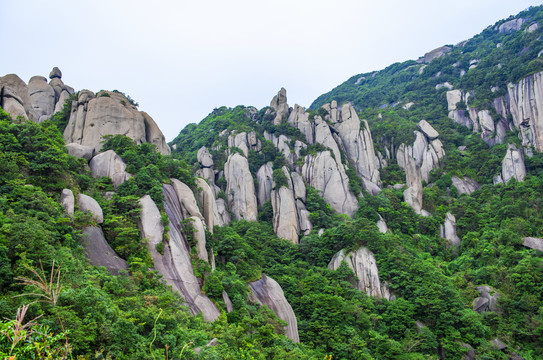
[{"x": 181, "y": 59}]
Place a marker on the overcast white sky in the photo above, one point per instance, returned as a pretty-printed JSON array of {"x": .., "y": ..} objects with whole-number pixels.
[{"x": 181, "y": 59}]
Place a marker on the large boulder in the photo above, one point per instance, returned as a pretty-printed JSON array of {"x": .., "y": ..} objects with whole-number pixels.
[
  {"x": 513, "y": 164},
  {"x": 208, "y": 204},
  {"x": 67, "y": 200},
  {"x": 204, "y": 157},
  {"x": 240, "y": 188},
  {"x": 86, "y": 203},
  {"x": 448, "y": 230},
  {"x": 99, "y": 252},
  {"x": 279, "y": 104},
  {"x": 111, "y": 165},
  {"x": 487, "y": 299},
  {"x": 299, "y": 118},
  {"x": 533, "y": 243},
  {"x": 264, "y": 177},
  {"x": 15, "y": 98},
  {"x": 110, "y": 113},
  {"x": 465, "y": 185},
  {"x": 413, "y": 194},
  {"x": 285, "y": 215},
  {"x": 42, "y": 97},
  {"x": 80, "y": 151},
  {"x": 364, "y": 266},
  {"x": 187, "y": 199},
  {"x": 267, "y": 291}
]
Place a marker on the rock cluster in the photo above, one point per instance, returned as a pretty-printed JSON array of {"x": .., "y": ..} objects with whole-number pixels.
[
  {"x": 512, "y": 166},
  {"x": 110, "y": 113},
  {"x": 240, "y": 188},
  {"x": 364, "y": 266},
  {"x": 267, "y": 291},
  {"x": 487, "y": 299},
  {"x": 36, "y": 101}
]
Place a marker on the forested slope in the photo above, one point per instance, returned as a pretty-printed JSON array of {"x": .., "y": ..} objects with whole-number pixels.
[{"x": 400, "y": 217}]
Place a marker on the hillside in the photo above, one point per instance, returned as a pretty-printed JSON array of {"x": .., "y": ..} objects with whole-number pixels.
[{"x": 399, "y": 217}]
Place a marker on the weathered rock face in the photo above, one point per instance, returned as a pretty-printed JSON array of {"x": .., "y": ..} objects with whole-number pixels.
[
  {"x": 86, "y": 203},
  {"x": 434, "y": 54},
  {"x": 204, "y": 157},
  {"x": 245, "y": 142},
  {"x": 357, "y": 143},
  {"x": 15, "y": 98},
  {"x": 465, "y": 185},
  {"x": 187, "y": 199},
  {"x": 382, "y": 225},
  {"x": 267, "y": 291},
  {"x": 533, "y": 243},
  {"x": 279, "y": 104},
  {"x": 174, "y": 264},
  {"x": 512, "y": 166},
  {"x": 511, "y": 25},
  {"x": 299, "y": 118},
  {"x": 525, "y": 103},
  {"x": 80, "y": 151},
  {"x": 67, "y": 200},
  {"x": 110, "y": 114},
  {"x": 42, "y": 97},
  {"x": 487, "y": 299},
  {"x": 206, "y": 199},
  {"x": 413, "y": 194},
  {"x": 448, "y": 230},
  {"x": 327, "y": 176},
  {"x": 264, "y": 176},
  {"x": 285, "y": 215},
  {"x": 364, "y": 266},
  {"x": 240, "y": 188},
  {"x": 99, "y": 252},
  {"x": 111, "y": 165}
]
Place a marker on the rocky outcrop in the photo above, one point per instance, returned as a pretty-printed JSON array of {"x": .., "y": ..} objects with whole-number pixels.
[
  {"x": 413, "y": 194},
  {"x": 512, "y": 166},
  {"x": 208, "y": 204},
  {"x": 42, "y": 97},
  {"x": 99, "y": 252},
  {"x": 111, "y": 165},
  {"x": 174, "y": 263},
  {"x": 110, "y": 113},
  {"x": 86, "y": 203},
  {"x": 245, "y": 142},
  {"x": 299, "y": 118},
  {"x": 206, "y": 171},
  {"x": 67, "y": 200},
  {"x": 264, "y": 177},
  {"x": 511, "y": 25},
  {"x": 465, "y": 185},
  {"x": 204, "y": 157},
  {"x": 364, "y": 266},
  {"x": 80, "y": 151},
  {"x": 533, "y": 243},
  {"x": 280, "y": 107},
  {"x": 267, "y": 291},
  {"x": 327, "y": 176},
  {"x": 382, "y": 225},
  {"x": 448, "y": 230},
  {"x": 434, "y": 54},
  {"x": 487, "y": 299},
  {"x": 285, "y": 214},
  {"x": 357, "y": 143},
  {"x": 15, "y": 98},
  {"x": 186, "y": 199},
  {"x": 240, "y": 188}
]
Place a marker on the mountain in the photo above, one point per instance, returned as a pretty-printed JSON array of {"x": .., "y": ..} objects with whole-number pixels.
[{"x": 399, "y": 217}]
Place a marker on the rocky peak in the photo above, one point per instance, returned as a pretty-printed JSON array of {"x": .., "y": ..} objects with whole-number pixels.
[
  {"x": 55, "y": 73},
  {"x": 280, "y": 106}
]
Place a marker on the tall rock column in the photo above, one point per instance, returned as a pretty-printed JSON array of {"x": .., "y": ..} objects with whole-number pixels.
[{"x": 240, "y": 188}]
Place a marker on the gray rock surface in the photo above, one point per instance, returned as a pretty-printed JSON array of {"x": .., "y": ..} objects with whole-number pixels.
[
  {"x": 264, "y": 177},
  {"x": 511, "y": 25},
  {"x": 187, "y": 200},
  {"x": 16, "y": 98},
  {"x": 465, "y": 185},
  {"x": 279, "y": 104},
  {"x": 413, "y": 194},
  {"x": 206, "y": 199},
  {"x": 427, "y": 129},
  {"x": 110, "y": 114},
  {"x": 55, "y": 73},
  {"x": 327, "y": 176},
  {"x": 487, "y": 299},
  {"x": 42, "y": 97},
  {"x": 358, "y": 144},
  {"x": 80, "y": 151},
  {"x": 448, "y": 230},
  {"x": 240, "y": 188},
  {"x": 199, "y": 237},
  {"x": 285, "y": 214},
  {"x": 382, "y": 225},
  {"x": 111, "y": 165},
  {"x": 86, "y": 203},
  {"x": 67, "y": 200},
  {"x": 513, "y": 164},
  {"x": 533, "y": 243},
  {"x": 434, "y": 54},
  {"x": 204, "y": 157},
  {"x": 299, "y": 118},
  {"x": 267, "y": 291},
  {"x": 364, "y": 266},
  {"x": 174, "y": 264},
  {"x": 223, "y": 212},
  {"x": 99, "y": 252}
]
